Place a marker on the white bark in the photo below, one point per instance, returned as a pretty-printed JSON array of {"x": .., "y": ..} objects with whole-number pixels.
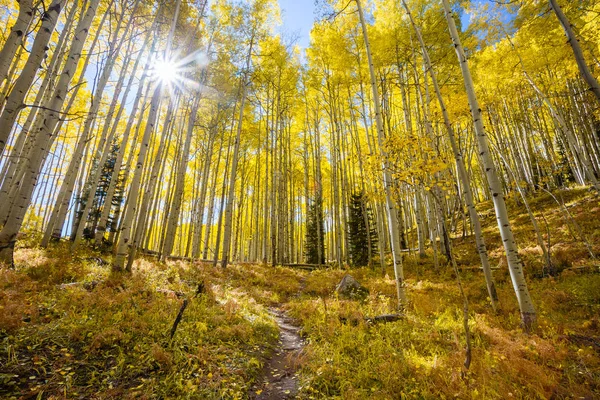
[
  {"x": 125, "y": 236},
  {"x": 14, "y": 101},
  {"x": 515, "y": 265},
  {"x": 577, "y": 51},
  {"x": 101, "y": 228},
  {"x": 17, "y": 33},
  {"x": 103, "y": 150},
  {"x": 179, "y": 183},
  {"x": 21, "y": 203},
  {"x": 387, "y": 176},
  {"x": 66, "y": 191},
  {"x": 463, "y": 176}
]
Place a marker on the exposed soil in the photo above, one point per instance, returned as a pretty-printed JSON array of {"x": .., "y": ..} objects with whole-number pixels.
[{"x": 279, "y": 379}]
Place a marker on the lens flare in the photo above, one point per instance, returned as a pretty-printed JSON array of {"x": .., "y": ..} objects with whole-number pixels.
[{"x": 166, "y": 71}]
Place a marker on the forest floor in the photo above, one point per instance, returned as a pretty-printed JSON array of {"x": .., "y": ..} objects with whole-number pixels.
[{"x": 71, "y": 329}]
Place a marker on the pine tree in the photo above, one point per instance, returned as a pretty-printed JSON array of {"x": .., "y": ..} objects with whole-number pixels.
[
  {"x": 102, "y": 191},
  {"x": 315, "y": 232},
  {"x": 361, "y": 234}
]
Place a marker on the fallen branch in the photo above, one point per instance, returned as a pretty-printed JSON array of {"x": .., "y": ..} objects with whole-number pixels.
[
  {"x": 179, "y": 316},
  {"x": 199, "y": 291}
]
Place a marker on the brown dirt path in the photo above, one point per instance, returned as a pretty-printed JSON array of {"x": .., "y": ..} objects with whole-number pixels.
[{"x": 279, "y": 379}]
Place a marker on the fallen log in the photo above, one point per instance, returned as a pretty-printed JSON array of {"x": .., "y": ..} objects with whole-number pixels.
[
  {"x": 89, "y": 286},
  {"x": 476, "y": 268},
  {"x": 378, "y": 319},
  {"x": 384, "y": 318},
  {"x": 307, "y": 267}
]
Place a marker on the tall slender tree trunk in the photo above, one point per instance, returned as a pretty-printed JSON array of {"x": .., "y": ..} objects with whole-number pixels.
[
  {"x": 21, "y": 203},
  {"x": 179, "y": 184},
  {"x": 463, "y": 177},
  {"x": 515, "y": 265},
  {"x": 234, "y": 161},
  {"x": 387, "y": 176},
  {"x": 15, "y": 38},
  {"x": 584, "y": 69},
  {"x": 14, "y": 101}
]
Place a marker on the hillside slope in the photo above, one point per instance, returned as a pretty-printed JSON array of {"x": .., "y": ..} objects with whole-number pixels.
[{"x": 70, "y": 329}]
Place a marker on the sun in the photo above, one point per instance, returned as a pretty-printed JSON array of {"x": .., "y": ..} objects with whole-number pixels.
[
  {"x": 177, "y": 74},
  {"x": 166, "y": 71}
]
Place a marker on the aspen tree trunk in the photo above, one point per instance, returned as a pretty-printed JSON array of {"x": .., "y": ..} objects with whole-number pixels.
[
  {"x": 264, "y": 249},
  {"x": 103, "y": 149},
  {"x": 197, "y": 241},
  {"x": 570, "y": 137},
  {"x": 14, "y": 101},
  {"x": 462, "y": 171},
  {"x": 234, "y": 162},
  {"x": 515, "y": 265},
  {"x": 170, "y": 189},
  {"x": 155, "y": 237},
  {"x": 125, "y": 245},
  {"x": 179, "y": 184},
  {"x": 222, "y": 203},
  {"x": 110, "y": 193},
  {"x": 319, "y": 190},
  {"x": 273, "y": 204},
  {"x": 363, "y": 200},
  {"x": 42, "y": 97},
  {"x": 13, "y": 225},
  {"x": 125, "y": 235},
  {"x": 61, "y": 206},
  {"x": 141, "y": 227},
  {"x": 211, "y": 202},
  {"x": 15, "y": 38},
  {"x": 379, "y": 219},
  {"x": 538, "y": 233},
  {"x": 387, "y": 176},
  {"x": 587, "y": 75},
  {"x": 17, "y": 168}
]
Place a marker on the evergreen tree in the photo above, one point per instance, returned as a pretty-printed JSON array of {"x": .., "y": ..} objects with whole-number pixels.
[
  {"x": 315, "y": 233},
  {"x": 362, "y": 238},
  {"x": 101, "y": 192}
]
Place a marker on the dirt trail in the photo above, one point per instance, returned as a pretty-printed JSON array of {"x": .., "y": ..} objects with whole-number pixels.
[{"x": 279, "y": 379}]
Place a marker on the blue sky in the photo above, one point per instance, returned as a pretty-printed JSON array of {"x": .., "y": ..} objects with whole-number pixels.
[{"x": 297, "y": 17}]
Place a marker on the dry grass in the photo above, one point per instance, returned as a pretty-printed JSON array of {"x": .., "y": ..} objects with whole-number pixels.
[{"x": 107, "y": 336}]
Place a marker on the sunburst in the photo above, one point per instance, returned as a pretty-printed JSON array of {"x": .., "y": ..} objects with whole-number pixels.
[{"x": 175, "y": 73}]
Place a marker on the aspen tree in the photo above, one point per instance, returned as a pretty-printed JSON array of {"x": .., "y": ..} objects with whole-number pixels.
[
  {"x": 573, "y": 41},
  {"x": 174, "y": 214},
  {"x": 236, "y": 150},
  {"x": 13, "y": 224},
  {"x": 102, "y": 223},
  {"x": 25, "y": 145},
  {"x": 103, "y": 148},
  {"x": 460, "y": 165},
  {"x": 387, "y": 177},
  {"x": 125, "y": 245},
  {"x": 61, "y": 207},
  {"x": 515, "y": 265},
  {"x": 15, "y": 38},
  {"x": 14, "y": 101}
]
